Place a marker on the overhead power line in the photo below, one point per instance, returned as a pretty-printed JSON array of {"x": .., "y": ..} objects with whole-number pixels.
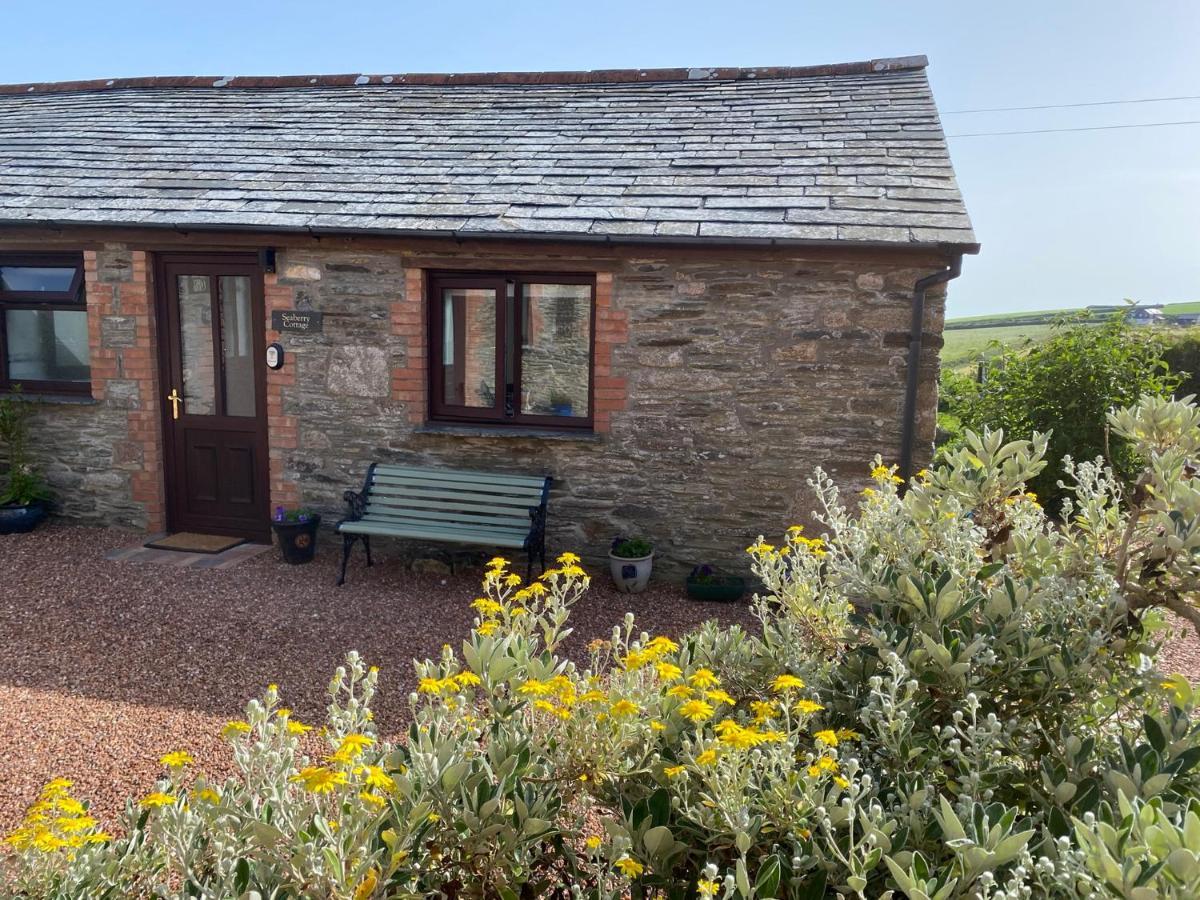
[
  {"x": 991, "y": 109},
  {"x": 1083, "y": 128}
]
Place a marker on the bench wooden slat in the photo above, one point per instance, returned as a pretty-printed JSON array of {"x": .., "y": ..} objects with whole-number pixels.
[
  {"x": 402, "y": 492},
  {"x": 377, "y": 510},
  {"x": 449, "y": 505},
  {"x": 393, "y": 485},
  {"x": 457, "y": 483},
  {"x": 409, "y": 494},
  {"x": 444, "y": 534},
  {"x": 424, "y": 527},
  {"x": 534, "y": 481}
]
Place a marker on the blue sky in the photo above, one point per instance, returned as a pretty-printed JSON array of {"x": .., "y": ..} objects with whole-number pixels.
[{"x": 1065, "y": 219}]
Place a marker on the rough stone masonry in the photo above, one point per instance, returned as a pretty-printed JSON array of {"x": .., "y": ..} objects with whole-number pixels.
[{"x": 724, "y": 376}]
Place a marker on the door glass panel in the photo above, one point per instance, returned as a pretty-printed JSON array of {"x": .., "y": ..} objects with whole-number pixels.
[
  {"x": 469, "y": 347},
  {"x": 47, "y": 345},
  {"x": 556, "y": 344},
  {"x": 236, "y": 338},
  {"x": 196, "y": 345}
]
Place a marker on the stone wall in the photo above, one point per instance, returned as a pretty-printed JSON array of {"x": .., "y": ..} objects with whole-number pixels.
[
  {"x": 103, "y": 456},
  {"x": 722, "y": 378},
  {"x": 731, "y": 378}
]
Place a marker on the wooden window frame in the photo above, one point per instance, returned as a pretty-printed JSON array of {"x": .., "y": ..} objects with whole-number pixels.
[
  {"x": 70, "y": 300},
  {"x": 496, "y": 416}
]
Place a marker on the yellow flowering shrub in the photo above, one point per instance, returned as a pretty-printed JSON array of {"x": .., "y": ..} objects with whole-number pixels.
[{"x": 948, "y": 695}]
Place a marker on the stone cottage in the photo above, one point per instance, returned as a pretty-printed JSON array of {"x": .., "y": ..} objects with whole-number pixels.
[{"x": 675, "y": 291}]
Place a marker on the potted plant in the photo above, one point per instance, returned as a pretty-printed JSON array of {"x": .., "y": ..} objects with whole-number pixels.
[
  {"x": 630, "y": 561},
  {"x": 561, "y": 404},
  {"x": 710, "y": 583},
  {"x": 23, "y": 492},
  {"x": 296, "y": 530}
]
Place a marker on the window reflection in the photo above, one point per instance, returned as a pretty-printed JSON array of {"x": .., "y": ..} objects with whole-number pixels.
[
  {"x": 196, "y": 345},
  {"x": 236, "y": 339},
  {"x": 555, "y": 349},
  {"x": 469, "y": 347},
  {"x": 47, "y": 345},
  {"x": 36, "y": 279}
]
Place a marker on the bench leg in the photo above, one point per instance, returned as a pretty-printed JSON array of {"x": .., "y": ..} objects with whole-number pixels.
[
  {"x": 536, "y": 542},
  {"x": 366, "y": 539},
  {"x": 538, "y": 550},
  {"x": 347, "y": 543}
]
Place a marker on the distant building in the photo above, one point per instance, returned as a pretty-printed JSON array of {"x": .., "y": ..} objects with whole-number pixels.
[{"x": 1147, "y": 315}]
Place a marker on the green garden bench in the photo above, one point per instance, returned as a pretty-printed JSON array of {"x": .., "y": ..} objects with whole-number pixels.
[{"x": 449, "y": 506}]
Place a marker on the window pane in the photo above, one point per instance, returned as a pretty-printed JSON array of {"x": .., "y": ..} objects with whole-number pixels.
[
  {"x": 196, "y": 344},
  {"x": 54, "y": 279},
  {"x": 47, "y": 345},
  {"x": 236, "y": 337},
  {"x": 556, "y": 349},
  {"x": 469, "y": 347}
]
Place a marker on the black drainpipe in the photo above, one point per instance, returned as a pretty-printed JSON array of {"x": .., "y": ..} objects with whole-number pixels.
[{"x": 909, "y": 434}]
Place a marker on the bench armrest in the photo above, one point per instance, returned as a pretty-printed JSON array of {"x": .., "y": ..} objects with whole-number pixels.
[{"x": 357, "y": 503}]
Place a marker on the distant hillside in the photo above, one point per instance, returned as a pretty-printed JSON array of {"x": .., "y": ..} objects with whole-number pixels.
[{"x": 969, "y": 337}]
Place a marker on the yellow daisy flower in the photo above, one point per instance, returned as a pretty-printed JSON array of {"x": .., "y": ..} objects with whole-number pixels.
[
  {"x": 156, "y": 799},
  {"x": 630, "y": 868},
  {"x": 176, "y": 759},
  {"x": 696, "y": 711},
  {"x": 786, "y": 683},
  {"x": 623, "y": 708}
]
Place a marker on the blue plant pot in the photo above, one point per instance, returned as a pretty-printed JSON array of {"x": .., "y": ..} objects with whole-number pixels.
[{"x": 20, "y": 519}]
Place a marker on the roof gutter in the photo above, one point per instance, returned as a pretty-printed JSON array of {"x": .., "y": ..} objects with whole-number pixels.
[
  {"x": 461, "y": 236},
  {"x": 915, "y": 339}
]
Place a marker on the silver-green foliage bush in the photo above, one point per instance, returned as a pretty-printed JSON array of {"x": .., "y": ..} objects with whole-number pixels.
[{"x": 950, "y": 696}]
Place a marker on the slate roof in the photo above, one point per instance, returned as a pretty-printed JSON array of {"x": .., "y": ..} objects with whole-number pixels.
[{"x": 846, "y": 153}]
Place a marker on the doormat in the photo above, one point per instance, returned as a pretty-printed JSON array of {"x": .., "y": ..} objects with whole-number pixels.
[{"x": 191, "y": 542}]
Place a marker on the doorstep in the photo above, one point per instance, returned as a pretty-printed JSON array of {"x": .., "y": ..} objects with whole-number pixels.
[{"x": 226, "y": 559}]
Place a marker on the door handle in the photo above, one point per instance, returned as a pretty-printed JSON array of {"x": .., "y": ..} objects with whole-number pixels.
[{"x": 175, "y": 401}]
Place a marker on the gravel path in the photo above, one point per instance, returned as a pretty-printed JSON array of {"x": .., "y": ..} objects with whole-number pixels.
[
  {"x": 105, "y": 666},
  {"x": 1182, "y": 651}
]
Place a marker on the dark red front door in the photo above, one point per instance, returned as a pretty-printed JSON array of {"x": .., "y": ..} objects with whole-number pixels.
[{"x": 211, "y": 310}]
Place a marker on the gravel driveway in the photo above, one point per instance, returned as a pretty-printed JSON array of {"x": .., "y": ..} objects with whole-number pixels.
[{"x": 105, "y": 666}]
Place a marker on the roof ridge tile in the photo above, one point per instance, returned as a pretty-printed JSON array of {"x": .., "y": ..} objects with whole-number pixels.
[{"x": 594, "y": 76}]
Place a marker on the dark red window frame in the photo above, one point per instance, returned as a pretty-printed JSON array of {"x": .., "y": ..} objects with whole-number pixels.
[
  {"x": 506, "y": 409},
  {"x": 70, "y": 300}
]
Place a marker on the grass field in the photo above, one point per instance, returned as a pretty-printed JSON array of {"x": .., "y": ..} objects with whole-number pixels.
[
  {"x": 965, "y": 345},
  {"x": 969, "y": 337},
  {"x": 999, "y": 319}
]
